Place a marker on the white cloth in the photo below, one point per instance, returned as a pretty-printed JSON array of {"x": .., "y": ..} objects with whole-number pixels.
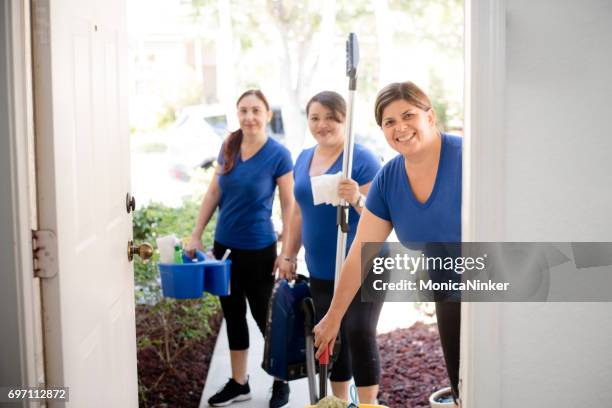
[{"x": 325, "y": 189}]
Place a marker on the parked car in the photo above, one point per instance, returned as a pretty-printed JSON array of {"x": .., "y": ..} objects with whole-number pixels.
[
  {"x": 192, "y": 142},
  {"x": 214, "y": 115},
  {"x": 195, "y": 138}
]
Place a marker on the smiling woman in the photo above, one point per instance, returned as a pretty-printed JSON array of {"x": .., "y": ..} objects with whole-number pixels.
[
  {"x": 314, "y": 225},
  {"x": 418, "y": 193},
  {"x": 251, "y": 166}
]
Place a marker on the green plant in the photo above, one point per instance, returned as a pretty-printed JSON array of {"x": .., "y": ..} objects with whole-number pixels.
[
  {"x": 167, "y": 116},
  {"x": 169, "y": 327},
  {"x": 155, "y": 147},
  {"x": 155, "y": 220},
  {"x": 175, "y": 324}
]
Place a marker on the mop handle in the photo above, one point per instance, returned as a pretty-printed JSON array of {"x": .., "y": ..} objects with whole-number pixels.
[
  {"x": 352, "y": 60},
  {"x": 323, "y": 362},
  {"x": 324, "y": 358}
]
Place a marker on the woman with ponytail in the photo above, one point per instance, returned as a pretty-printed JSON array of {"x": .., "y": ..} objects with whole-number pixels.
[{"x": 250, "y": 166}]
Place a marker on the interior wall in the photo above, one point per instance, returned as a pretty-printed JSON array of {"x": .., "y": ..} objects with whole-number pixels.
[
  {"x": 557, "y": 182},
  {"x": 12, "y": 370},
  {"x": 21, "y": 353}
]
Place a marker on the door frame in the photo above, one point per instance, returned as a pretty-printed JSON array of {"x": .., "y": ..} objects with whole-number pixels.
[
  {"x": 20, "y": 309},
  {"x": 483, "y": 190},
  {"x": 483, "y": 199}
]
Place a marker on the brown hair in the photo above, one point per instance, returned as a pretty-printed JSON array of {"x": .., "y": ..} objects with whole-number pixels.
[
  {"x": 406, "y": 91},
  {"x": 332, "y": 101},
  {"x": 231, "y": 147}
]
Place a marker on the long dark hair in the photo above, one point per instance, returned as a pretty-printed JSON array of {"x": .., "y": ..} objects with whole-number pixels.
[{"x": 231, "y": 147}]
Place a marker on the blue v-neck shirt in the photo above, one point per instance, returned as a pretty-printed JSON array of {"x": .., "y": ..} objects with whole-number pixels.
[
  {"x": 439, "y": 218},
  {"x": 319, "y": 230},
  {"x": 247, "y": 193}
]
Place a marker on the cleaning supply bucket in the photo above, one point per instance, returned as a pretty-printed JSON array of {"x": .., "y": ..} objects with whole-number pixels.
[
  {"x": 217, "y": 276},
  {"x": 183, "y": 281}
]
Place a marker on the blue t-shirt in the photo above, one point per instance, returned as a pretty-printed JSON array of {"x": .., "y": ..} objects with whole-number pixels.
[
  {"x": 319, "y": 230},
  {"x": 247, "y": 192},
  {"x": 438, "y": 219}
]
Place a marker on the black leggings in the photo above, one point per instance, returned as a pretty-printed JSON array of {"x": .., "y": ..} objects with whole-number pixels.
[
  {"x": 358, "y": 356},
  {"x": 448, "y": 315},
  {"x": 252, "y": 280}
]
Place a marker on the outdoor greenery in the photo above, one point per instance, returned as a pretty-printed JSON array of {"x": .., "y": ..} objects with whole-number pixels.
[
  {"x": 294, "y": 48},
  {"x": 167, "y": 326},
  {"x": 167, "y": 116},
  {"x": 155, "y": 220}
]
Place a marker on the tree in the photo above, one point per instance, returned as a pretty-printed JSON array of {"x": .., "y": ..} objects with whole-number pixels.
[{"x": 296, "y": 23}]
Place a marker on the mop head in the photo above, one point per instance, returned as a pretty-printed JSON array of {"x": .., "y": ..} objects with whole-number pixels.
[{"x": 331, "y": 402}]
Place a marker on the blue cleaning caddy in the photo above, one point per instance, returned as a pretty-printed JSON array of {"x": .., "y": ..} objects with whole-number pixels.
[
  {"x": 183, "y": 281},
  {"x": 217, "y": 276},
  {"x": 190, "y": 279}
]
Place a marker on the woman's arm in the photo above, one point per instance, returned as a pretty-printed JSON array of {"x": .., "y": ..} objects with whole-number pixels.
[
  {"x": 287, "y": 264},
  {"x": 370, "y": 229},
  {"x": 285, "y": 187},
  {"x": 207, "y": 209},
  {"x": 285, "y": 190},
  {"x": 350, "y": 191}
]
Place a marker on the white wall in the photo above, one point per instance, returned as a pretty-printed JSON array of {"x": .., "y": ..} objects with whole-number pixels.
[
  {"x": 11, "y": 369},
  {"x": 558, "y": 188},
  {"x": 556, "y": 185},
  {"x": 21, "y": 358}
]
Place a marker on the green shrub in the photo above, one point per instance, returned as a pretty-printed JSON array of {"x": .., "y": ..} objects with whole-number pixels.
[
  {"x": 168, "y": 326},
  {"x": 155, "y": 220},
  {"x": 155, "y": 147},
  {"x": 167, "y": 116}
]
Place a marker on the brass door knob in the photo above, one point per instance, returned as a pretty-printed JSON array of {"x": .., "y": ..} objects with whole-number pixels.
[{"x": 144, "y": 251}]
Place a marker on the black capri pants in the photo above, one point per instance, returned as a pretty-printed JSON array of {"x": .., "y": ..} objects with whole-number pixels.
[
  {"x": 448, "y": 315},
  {"x": 358, "y": 356},
  {"x": 252, "y": 281}
]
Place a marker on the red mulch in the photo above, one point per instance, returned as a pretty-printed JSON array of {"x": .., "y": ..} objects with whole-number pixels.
[
  {"x": 412, "y": 366},
  {"x": 180, "y": 385}
]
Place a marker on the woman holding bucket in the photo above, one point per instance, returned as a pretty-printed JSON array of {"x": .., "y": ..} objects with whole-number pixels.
[
  {"x": 418, "y": 193},
  {"x": 251, "y": 166},
  {"x": 315, "y": 226}
]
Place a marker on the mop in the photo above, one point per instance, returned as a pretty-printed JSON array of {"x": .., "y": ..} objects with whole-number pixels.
[{"x": 352, "y": 60}]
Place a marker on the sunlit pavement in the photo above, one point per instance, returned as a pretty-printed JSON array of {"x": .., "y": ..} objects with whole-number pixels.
[
  {"x": 260, "y": 382},
  {"x": 393, "y": 315}
]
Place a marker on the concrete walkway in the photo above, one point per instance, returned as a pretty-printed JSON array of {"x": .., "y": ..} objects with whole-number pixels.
[
  {"x": 259, "y": 381},
  {"x": 394, "y": 315}
]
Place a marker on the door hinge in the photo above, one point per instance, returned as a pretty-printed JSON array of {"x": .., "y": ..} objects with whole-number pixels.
[{"x": 44, "y": 253}]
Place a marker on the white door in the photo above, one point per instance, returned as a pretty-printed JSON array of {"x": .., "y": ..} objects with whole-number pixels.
[{"x": 83, "y": 175}]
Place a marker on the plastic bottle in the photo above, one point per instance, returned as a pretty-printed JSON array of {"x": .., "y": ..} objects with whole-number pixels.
[{"x": 178, "y": 254}]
